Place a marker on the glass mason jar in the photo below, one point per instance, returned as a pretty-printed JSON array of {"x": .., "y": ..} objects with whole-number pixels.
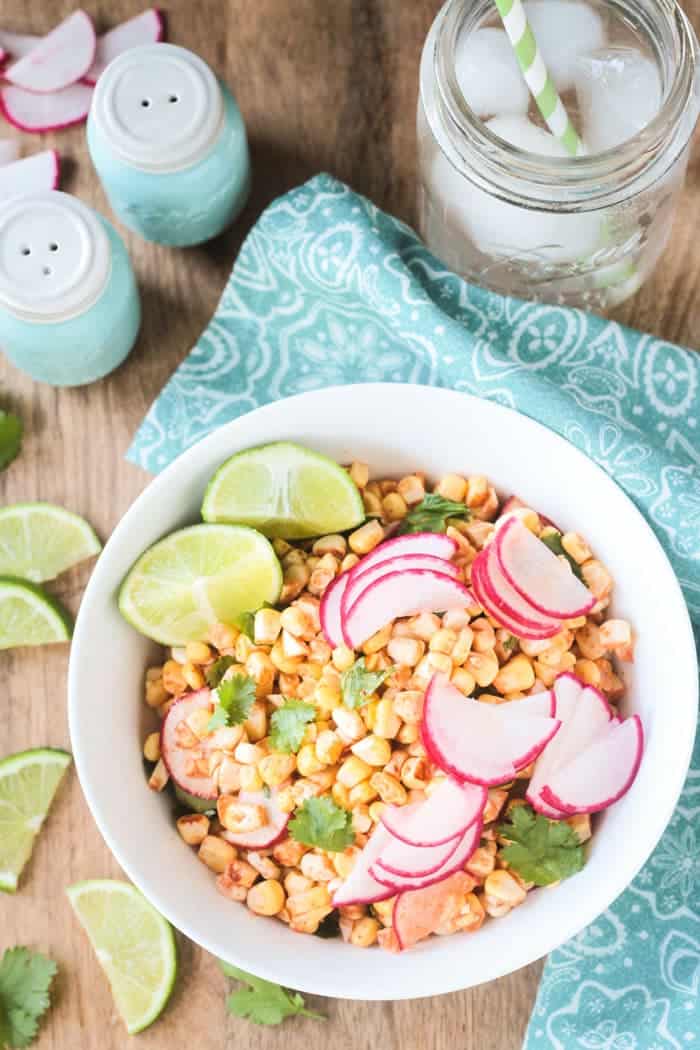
[{"x": 586, "y": 231}]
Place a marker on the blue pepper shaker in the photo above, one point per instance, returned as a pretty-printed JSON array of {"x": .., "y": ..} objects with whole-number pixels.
[
  {"x": 169, "y": 144},
  {"x": 69, "y": 306}
]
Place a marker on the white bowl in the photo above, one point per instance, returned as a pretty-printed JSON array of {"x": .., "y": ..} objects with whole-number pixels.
[{"x": 396, "y": 429}]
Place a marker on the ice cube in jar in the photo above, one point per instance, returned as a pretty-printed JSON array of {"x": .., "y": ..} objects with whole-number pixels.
[
  {"x": 564, "y": 30},
  {"x": 619, "y": 92},
  {"x": 489, "y": 75}
]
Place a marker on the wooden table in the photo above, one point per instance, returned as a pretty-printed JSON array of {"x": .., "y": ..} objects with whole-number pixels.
[{"x": 323, "y": 86}]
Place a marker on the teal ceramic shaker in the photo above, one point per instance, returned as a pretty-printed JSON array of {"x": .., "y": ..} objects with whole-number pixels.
[{"x": 169, "y": 145}]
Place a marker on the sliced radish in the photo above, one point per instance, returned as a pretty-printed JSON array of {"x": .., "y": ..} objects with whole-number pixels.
[
  {"x": 31, "y": 112},
  {"x": 467, "y": 845},
  {"x": 601, "y": 774},
  {"x": 402, "y": 594},
  {"x": 515, "y": 503},
  {"x": 38, "y": 172},
  {"x": 485, "y": 598},
  {"x": 176, "y": 757},
  {"x": 330, "y": 610},
  {"x": 146, "y": 28},
  {"x": 520, "y": 610},
  {"x": 450, "y": 810},
  {"x": 9, "y": 151},
  {"x": 59, "y": 59},
  {"x": 271, "y": 832},
  {"x": 398, "y": 858},
  {"x": 418, "y": 913},
  {"x": 538, "y": 575},
  {"x": 479, "y": 742},
  {"x": 361, "y": 578},
  {"x": 18, "y": 44},
  {"x": 360, "y": 887},
  {"x": 541, "y": 704}
]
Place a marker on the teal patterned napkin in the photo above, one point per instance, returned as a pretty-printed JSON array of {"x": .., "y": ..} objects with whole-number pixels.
[{"x": 328, "y": 289}]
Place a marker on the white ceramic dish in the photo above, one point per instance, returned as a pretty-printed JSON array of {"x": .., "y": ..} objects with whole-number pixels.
[{"x": 396, "y": 429}]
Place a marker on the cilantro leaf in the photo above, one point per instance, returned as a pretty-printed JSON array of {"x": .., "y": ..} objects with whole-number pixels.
[
  {"x": 25, "y": 978},
  {"x": 10, "y": 438},
  {"x": 288, "y": 725},
  {"x": 540, "y": 850},
  {"x": 263, "y": 1002},
  {"x": 234, "y": 699},
  {"x": 510, "y": 643},
  {"x": 216, "y": 671},
  {"x": 431, "y": 514},
  {"x": 320, "y": 822},
  {"x": 245, "y": 622},
  {"x": 553, "y": 541},
  {"x": 358, "y": 684}
]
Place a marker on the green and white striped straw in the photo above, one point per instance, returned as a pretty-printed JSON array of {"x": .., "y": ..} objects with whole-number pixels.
[{"x": 536, "y": 76}]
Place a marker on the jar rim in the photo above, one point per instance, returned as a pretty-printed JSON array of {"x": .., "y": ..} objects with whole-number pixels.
[{"x": 562, "y": 183}]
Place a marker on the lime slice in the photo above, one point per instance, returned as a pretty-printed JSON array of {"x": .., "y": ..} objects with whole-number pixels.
[
  {"x": 134, "y": 945},
  {"x": 28, "y": 783},
  {"x": 284, "y": 490},
  {"x": 28, "y": 616},
  {"x": 196, "y": 577},
  {"x": 39, "y": 540}
]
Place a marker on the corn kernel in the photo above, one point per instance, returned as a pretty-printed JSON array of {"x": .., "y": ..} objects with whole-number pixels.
[
  {"x": 375, "y": 811},
  {"x": 597, "y": 578},
  {"x": 216, "y": 853},
  {"x": 589, "y": 642},
  {"x": 193, "y": 828},
  {"x": 463, "y": 680},
  {"x": 276, "y": 768},
  {"x": 296, "y": 883},
  {"x": 359, "y": 472},
  {"x": 267, "y": 626},
  {"x": 424, "y": 625},
  {"x": 390, "y": 789},
  {"x": 477, "y": 490},
  {"x": 366, "y": 538},
  {"x": 440, "y": 662},
  {"x": 317, "y": 867},
  {"x": 415, "y": 772},
  {"x": 341, "y": 795},
  {"x": 377, "y": 641},
  {"x": 157, "y": 692},
  {"x": 289, "y": 852},
  {"x": 349, "y": 725},
  {"x": 242, "y": 873},
  {"x": 151, "y": 747},
  {"x": 364, "y": 932},
  {"x": 198, "y": 653},
  {"x": 249, "y": 779},
  {"x": 405, "y": 652},
  {"x": 159, "y": 777},
  {"x": 266, "y": 898},
  {"x": 386, "y": 723},
  {"x": 503, "y": 888},
  {"x": 483, "y": 667},
  {"x": 411, "y": 489},
  {"x": 223, "y": 636},
  {"x": 249, "y": 754},
  {"x": 587, "y": 671},
  {"x": 394, "y": 507},
  {"x": 307, "y": 762},
  {"x": 576, "y": 547},
  {"x": 329, "y": 747},
  {"x": 494, "y": 804},
  {"x": 173, "y": 679},
  {"x": 374, "y": 750},
  {"x": 240, "y": 817},
  {"x": 296, "y": 578},
  {"x": 362, "y": 793},
  {"x": 407, "y": 734},
  {"x": 517, "y": 674},
  {"x": 353, "y": 771},
  {"x": 229, "y": 776}
]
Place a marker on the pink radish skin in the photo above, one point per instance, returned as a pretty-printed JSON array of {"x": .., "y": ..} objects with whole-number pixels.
[
  {"x": 360, "y": 580},
  {"x": 17, "y": 44},
  {"x": 360, "y": 887},
  {"x": 59, "y": 59},
  {"x": 517, "y": 608},
  {"x": 543, "y": 705},
  {"x": 453, "y": 724},
  {"x": 39, "y": 113},
  {"x": 495, "y": 610},
  {"x": 146, "y": 28},
  {"x": 41, "y": 171},
  {"x": 175, "y": 757},
  {"x": 538, "y": 575},
  {"x": 9, "y": 151},
  {"x": 467, "y": 845},
  {"x": 418, "y": 913},
  {"x": 402, "y": 594},
  {"x": 330, "y": 610},
  {"x": 601, "y": 774},
  {"x": 269, "y": 834},
  {"x": 398, "y": 858},
  {"x": 451, "y": 809}
]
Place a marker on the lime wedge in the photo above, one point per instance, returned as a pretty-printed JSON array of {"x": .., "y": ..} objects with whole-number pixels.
[
  {"x": 39, "y": 540},
  {"x": 28, "y": 616},
  {"x": 134, "y": 945},
  {"x": 28, "y": 783},
  {"x": 284, "y": 490},
  {"x": 196, "y": 577}
]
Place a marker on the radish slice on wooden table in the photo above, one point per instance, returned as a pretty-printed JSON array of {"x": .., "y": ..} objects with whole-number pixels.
[
  {"x": 59, "y": 59},
  {"x": 30, "y": 112},
  {"x": 418, "y": 913},
  {"x": 398, "y": 858},
  {"x": 450, "y": 810},
  {"x": 176, "y": 757},
  {"x": 17, "y": 44},
  {"x": 360, "y": 577},
  {"x": 467, "y": 845},
  {"x": 601, "y": 774},
  {"x": 31, "y": 174},
  {"x": 402, "y": 594},
  {"x": 479, "y": 742},
  {"x": 271, "y": 832},
  {"x": 538, "y": 575},
  {"x": 498, "y": 602},
  {"x": 146, "y": 28},
  {"x": 360, "y": 887},
  {"x": 9, "y": 151}
]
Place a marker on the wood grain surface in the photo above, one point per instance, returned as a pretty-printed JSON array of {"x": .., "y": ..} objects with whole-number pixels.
[{"x": 322, "y": 86}]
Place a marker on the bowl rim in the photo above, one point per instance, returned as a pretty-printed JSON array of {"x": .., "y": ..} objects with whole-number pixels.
[{"x": 572, "y": 924}]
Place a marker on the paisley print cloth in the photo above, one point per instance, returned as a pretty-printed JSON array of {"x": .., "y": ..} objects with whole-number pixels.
[{"x": 328, "y": 289}]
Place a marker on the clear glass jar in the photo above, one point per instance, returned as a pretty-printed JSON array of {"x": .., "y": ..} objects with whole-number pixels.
[{"x": 586, "y": 231}]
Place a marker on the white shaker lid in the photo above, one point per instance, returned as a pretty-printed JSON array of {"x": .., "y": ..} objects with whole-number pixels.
[
  {"x": 55, "y": 256},
  {"x": 160, "y": 107}
]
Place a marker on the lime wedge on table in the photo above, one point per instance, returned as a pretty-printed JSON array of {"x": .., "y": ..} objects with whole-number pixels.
[
  {"x": 28, "y": 783},
  {"x": 284, "y": 490},
  {"x": 196, "y": 577},
  {"x": 134, "y": 944},
  {"x": 28, "y": 616},
  {"x": 39, "y": 540}
]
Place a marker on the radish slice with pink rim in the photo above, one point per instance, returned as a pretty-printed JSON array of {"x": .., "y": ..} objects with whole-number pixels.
[
  {"x": 176, "y": 757},
  {"x": 398, "y": 858},
  {"x": 600, "y": 775},
  {"x": 360, "y": 887},
  {"x": 59, "y": 59},
  {"x": 9, "y": 151},
  {"x": 17, "y": 44},
  {"x": 418, "y": 913},
  {"x": 41, "y": 171},
  {"x": 543, "y": 705},
  {"x": 30, "y": 112},
  {"x": 512, "y": 603},
  {"x": 480, "y": 742},
  {"x": 146, "y": 28},
  {"x": 269, "y": 833},
  {"x": 468, "y": 843},
  {"x": 330, "y": 610},
  {"x": 538, "y": 575},
  {"x": 451, "y": 809},
  {"x": 402, "y": 594},
  {"x": 493, "y": 608}
]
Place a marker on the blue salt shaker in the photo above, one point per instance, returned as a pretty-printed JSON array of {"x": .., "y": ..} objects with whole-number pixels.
[
  {"x": 69, "y": 306},
  {"x": 169, "y": 144}
]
